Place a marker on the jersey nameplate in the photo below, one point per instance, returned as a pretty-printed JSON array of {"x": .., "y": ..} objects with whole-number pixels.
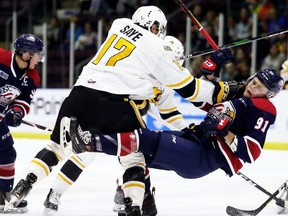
[{"x": 131, "y": 33}]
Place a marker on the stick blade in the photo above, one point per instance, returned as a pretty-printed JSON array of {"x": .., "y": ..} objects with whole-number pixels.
[{"x": 230, "y": 210}]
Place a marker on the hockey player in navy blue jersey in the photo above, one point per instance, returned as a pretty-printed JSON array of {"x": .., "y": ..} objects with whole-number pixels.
[
  {"x": 19, "y": 80},
  {"x": 232, "y": 133}
]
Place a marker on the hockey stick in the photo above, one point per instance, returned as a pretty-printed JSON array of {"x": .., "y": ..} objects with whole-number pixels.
[
  {"x": 198, "y": 25},
  {"x": 250, "y": 181},
  {"x": 236, "y": 43},
  {"x": 36, "y": 125},
  {"x": 240, "y": 212}
]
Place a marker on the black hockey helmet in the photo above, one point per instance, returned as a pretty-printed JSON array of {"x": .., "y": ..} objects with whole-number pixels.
[
  {"x": 272, "y": 81},
  {"x": 29, "y": 43}
]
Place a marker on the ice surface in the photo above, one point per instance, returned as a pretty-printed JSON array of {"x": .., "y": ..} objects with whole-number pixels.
[{"x": 92, "y": 194}]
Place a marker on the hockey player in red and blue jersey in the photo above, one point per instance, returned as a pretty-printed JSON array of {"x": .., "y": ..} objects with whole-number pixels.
[
  {"x": 232, "y": 133},
  {"x": 19, "y": 80}
]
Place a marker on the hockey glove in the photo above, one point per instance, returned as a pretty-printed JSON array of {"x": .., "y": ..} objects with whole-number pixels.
[
  {"x": 213, "y": 65},
  {"x": 214, "y": 127},
  {"x": 14, "y": 116},
  {"x": 227, "y": 90},
  {"x": 192, "y": 132}
]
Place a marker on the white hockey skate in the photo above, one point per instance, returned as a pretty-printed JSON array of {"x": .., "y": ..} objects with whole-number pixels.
[{"x": 51, "y": 203}]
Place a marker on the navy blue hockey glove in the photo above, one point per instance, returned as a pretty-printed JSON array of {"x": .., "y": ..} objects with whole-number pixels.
[
  {"x": 214, "y": 127},
  {"x": 13, "y": 117},
  {"x": 213, "y": 65}
]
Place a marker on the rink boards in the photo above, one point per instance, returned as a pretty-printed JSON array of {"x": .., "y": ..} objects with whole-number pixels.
[{"x": 47, "y": 102}]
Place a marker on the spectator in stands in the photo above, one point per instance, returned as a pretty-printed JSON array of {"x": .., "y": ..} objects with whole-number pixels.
[
  {"x": 274, "y": 59},
  {"x": 241, "y": 55},
  {"x": 77, "y": 31},
  {"x": 53, "y": 33},
  {"x": 231, "y": 28},
  {"x": 263, "y": 10},
  {"x": 87, "y": 40},
  {"x": 242, "y": 64},
  {"x": 243, "y": 26},
  {"x": 196, "y": 66},
  {"x": 198, "y": 12},
  {"x": 275, "y": 21},
  {"x": 243, "y": 72},
  {"x": 282, "y": 43},
  {"x": 229, "y": 72},
  {"x": 204, "y": 44},
  {"x": 101, "y": 7}
]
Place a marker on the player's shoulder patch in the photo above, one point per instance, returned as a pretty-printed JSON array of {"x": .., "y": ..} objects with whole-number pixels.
[
  {"x": 264, "y": 104},
  {"x": 35, "y": 76}
]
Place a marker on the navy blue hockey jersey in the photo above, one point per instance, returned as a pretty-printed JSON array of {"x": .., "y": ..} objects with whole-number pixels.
[
  {"x": 253, "y": 117},
  {"x": 17, "y": 86}
]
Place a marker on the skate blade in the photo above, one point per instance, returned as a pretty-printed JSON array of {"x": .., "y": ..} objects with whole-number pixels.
[
  {"x": 281, "y": 211},
  {"x": 49, "y": 212},
  {"x": 14, "y": 201},
  {"x": 15, "y": 211},
  {"x": 118, "y": 208}
]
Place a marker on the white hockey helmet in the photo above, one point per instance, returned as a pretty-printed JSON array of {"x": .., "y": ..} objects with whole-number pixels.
[
  {"x": 176, "y": 47},
  {"x": 146, "y": 16}
]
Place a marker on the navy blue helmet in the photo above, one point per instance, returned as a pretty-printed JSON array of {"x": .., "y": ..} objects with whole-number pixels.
[
  {"x": 273, "y": 82},
  {"x": 29, "y": 43}
]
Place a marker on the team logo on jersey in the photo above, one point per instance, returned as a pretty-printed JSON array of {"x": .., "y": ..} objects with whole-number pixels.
[
  {"x": 4, "y": 75},
  {"x": 8, "y": 94},
  {"x": 226, "y": 108}
]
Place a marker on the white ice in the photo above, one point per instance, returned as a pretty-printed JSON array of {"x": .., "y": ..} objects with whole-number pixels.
[{"x": 92, "y": 194}]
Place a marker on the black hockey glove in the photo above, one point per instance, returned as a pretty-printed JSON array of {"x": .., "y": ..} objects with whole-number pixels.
[
  {"x": 192, "y": 133},
  {"x": 14, "y": 116},
  {"x": 227, "y": 90},
  {"x": 213, "y": 65}
]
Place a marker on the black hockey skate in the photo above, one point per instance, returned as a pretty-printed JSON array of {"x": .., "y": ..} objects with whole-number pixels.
[
  {"x": 51, "y": 203},
  {"x": 81, "y": 140},
  {"x": 21, "y": 190},
  {"x": 149, "y": 206},
  {"x": 131, "y": 210},
  {"x": 21, "y": 208}
]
